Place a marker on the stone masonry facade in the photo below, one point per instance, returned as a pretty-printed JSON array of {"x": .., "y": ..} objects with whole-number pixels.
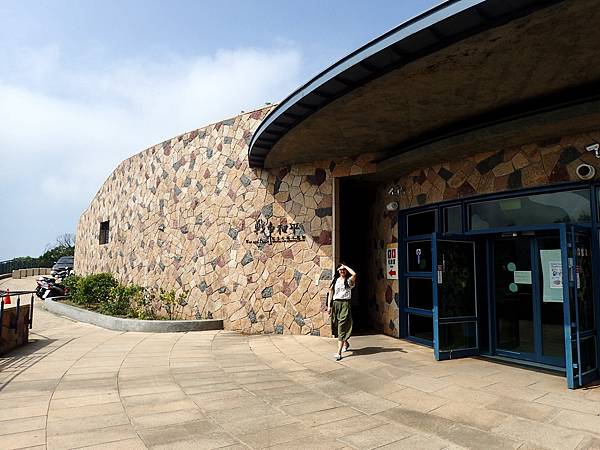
[
  {"x": 189, "y": 214},
  {"x": 526, "y": 166}
]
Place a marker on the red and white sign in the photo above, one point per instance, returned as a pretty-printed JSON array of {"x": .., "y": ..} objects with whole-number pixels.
[{"x": 392, "y": 261}]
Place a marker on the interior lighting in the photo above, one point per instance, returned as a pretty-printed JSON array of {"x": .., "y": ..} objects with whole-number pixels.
[
  {"x": 395, "y": 190},
  {"x": 594, "y": 148}
]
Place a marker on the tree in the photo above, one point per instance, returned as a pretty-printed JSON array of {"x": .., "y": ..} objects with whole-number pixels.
[
  {"x": 66, "y": 240},
  {"x": 64, "y": 246}
]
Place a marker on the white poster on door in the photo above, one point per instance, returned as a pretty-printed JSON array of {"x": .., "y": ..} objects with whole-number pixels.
[{"x": 552, "y": 274}]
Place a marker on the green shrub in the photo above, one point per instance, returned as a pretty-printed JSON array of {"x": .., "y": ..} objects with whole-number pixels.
[
  {"x": 144, "y": 304},
  {"x": 102, "y": 292},
  {"x": 72, "y": 284},
  {"x": 173, "y": 304},
  {"x": 96, "y": 289},
  {"x": 167, "y": 301},
  {"x": 118, "y": 303}
]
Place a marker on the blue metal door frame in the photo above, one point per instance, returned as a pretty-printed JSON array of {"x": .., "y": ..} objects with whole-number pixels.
[
  {"x": 562, "y": 229},
  {"x": 574, "y": 335},
  {"x": 404, "y": 274},
  {"x": 537, "y": 356},
  {"x": 490, "y": 235},
  {"x": 595, "y": 230},
  {"x": 437, "y": 320},
  {"x": 567, "y": 307}
]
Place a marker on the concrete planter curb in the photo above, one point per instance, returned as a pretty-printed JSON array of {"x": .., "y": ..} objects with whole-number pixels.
[{"x": 120, "y": 324}]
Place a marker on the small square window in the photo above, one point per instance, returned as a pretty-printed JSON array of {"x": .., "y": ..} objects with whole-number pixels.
[
  {"x": 104, "y": 230},
  {"x": 453, "y": 219},
  {"x": 421, "y": 223}
]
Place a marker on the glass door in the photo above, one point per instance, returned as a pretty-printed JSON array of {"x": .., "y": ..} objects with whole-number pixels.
[
  {"x": 514, "y": 297},
  {"x": 528, "y": 297},
  {"x": 581, "y": 345},
  {"x": 549, "y": 301},
  {"x": 419, "y": 301},
  {"x": 455, "y": 320}
]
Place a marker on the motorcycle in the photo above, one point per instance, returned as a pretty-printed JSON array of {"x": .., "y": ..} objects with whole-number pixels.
[
  {"x": 48, "y": 287},
  {"x": 61, "y": 274}
]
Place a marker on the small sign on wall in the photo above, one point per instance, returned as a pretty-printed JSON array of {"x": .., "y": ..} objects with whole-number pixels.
[{"x": 392, "y": 261}]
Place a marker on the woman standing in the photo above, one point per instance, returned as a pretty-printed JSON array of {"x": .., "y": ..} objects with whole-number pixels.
[{"x": 340, "y": 292}]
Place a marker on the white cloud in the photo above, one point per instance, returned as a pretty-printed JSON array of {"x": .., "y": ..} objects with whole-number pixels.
[{"x": 62, "y": 131}]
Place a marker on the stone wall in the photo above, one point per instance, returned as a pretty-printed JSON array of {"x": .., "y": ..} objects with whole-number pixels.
[
  {"x": 527, "y": 166},
  {"x": 23, "y": 273},
  {"x": 186, "y": 214}
]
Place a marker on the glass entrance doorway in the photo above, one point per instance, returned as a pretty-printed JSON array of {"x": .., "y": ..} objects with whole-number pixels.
[
  {"x": 506, "y": 277},
  {"x": 528, "y": 298},
  {"x": 455, "y": 318},
  {"x": 542, "y": 300}
]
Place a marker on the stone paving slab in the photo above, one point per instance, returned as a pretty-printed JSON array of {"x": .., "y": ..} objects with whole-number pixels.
[
  {"x": 78, "y": 386},
  {"x": 23, "y": 439}
]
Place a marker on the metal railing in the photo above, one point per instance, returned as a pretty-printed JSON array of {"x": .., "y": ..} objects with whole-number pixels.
[
  {"x": 14, "y": 264},
  {"x": 15, "y": 320}
]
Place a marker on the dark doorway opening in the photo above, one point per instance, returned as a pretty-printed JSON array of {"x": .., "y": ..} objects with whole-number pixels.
[{"x": 356, "y": 200}]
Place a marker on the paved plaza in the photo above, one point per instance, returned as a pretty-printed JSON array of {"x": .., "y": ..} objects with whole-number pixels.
[{"x": 77, "y": 385}]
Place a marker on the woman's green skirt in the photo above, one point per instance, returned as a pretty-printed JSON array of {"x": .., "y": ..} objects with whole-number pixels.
[{"x": 341, "y": 319}]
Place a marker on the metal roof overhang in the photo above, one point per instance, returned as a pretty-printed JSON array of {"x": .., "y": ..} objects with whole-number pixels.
[{"x": 460, "y": 66}]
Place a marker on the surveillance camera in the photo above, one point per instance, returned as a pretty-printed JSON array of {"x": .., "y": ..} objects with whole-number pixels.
[
  {"x": 392, "y": 206},
  {"x": 585, "y": 171}
]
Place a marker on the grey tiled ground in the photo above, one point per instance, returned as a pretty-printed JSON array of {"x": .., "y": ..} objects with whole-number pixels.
[{"x": 79, "y": 386}]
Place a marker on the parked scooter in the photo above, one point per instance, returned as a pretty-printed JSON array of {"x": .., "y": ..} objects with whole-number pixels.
[
  {"x": 48, "y": 287},
  {"x": 61, "y": 274}
]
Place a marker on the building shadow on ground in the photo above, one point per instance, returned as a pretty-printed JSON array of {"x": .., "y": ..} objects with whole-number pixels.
[
  {"x": 593, "y": 386},
  {"x": 374, "y": 350}
]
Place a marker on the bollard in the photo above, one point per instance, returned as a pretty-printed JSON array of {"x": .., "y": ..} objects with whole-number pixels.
[
  {"x": 31, "y": 312},
  {"x": 17, "y": 311}
]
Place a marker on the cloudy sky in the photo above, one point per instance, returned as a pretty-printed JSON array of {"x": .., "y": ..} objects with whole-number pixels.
[{"x": 84, "y": 84}]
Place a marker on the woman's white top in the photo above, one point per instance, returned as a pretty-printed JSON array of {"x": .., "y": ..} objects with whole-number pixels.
[{"x": 340, "y": 291}]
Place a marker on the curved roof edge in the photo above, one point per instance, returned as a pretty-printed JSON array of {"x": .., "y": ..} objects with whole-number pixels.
[{"x": 438, "y": 27}]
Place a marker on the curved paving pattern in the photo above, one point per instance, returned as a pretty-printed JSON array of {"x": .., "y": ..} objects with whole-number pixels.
[{"x": 78, "y": 385}]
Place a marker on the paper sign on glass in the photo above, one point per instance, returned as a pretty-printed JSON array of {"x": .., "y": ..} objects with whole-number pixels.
[
  {"x": 552, "y": 272},
  {"x": 522, "y": 276},
  {"x": 555, "y": 274}
]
